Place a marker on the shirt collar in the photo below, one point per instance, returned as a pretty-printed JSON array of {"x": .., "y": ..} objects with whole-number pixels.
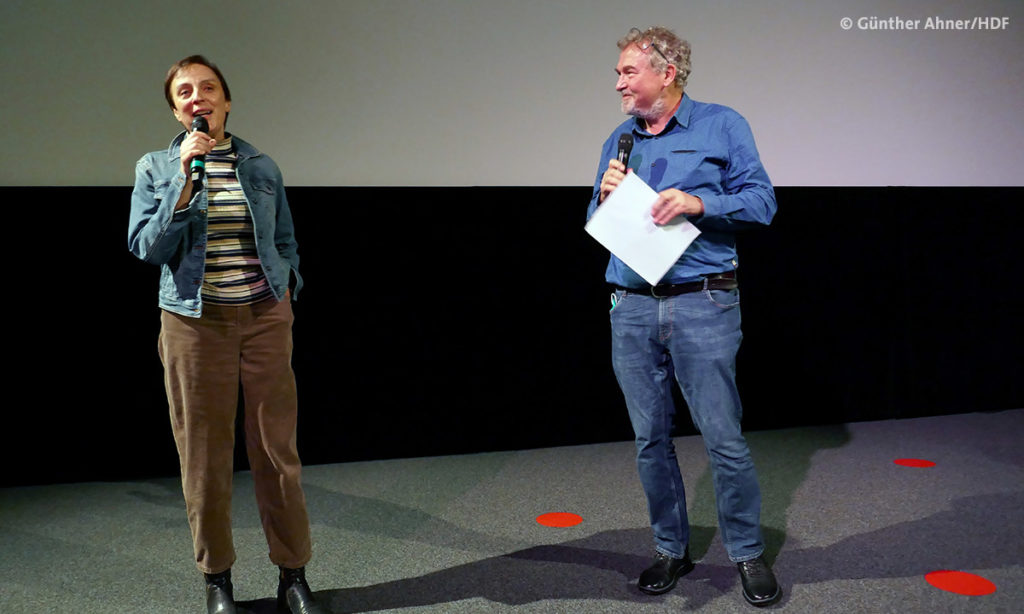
[
  {"x": 225, "y": 146},
  {"x": 684, "y": 111},
  {"x": 174, "y": 149},
  {"x": 681, "y": 117}
]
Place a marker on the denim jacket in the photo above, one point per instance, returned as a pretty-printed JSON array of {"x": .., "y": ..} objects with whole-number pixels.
[{"x": 176, "y": 240}]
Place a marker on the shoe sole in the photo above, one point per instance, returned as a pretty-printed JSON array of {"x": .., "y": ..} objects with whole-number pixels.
[{"x": 658, "y": 591}]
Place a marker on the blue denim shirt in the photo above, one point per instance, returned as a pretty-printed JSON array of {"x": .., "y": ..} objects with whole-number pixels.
[
  {"x": 176, "y": 240},
  {"x": 706, "y": 150}
]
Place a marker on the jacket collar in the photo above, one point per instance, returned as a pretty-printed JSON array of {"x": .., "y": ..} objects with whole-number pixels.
[{"x": 242, "y": 148}]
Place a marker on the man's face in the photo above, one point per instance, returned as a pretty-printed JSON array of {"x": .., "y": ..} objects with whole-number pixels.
[
  {"x": 640, "y": 86},
  {"x": 196, "y": 91}
]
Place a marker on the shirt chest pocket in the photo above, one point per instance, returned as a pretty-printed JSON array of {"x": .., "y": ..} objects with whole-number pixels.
[
  {"x": 263, "y": 195},
  {"x": 688, "y": 169},
  {"x": 160, "y": 188}
]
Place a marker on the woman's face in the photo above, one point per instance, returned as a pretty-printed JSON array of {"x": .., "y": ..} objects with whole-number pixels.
[{"x": 196, "y": 91}]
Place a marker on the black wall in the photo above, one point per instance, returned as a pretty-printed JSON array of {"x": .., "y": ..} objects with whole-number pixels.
[{"x": 455, "y": 320}]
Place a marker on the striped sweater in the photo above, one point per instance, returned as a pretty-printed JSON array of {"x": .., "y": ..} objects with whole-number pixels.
[{"x": 233, "y": 272}]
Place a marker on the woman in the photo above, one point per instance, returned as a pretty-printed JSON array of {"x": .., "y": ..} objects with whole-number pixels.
[{"x": 223, "y": 237}]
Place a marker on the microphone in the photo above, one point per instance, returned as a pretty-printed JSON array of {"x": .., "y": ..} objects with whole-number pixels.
[
  {"x": 197, "y": 168},
  {"x": 625, "y": 147}
]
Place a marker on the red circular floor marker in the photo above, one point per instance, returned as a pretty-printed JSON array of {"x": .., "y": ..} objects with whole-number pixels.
[
  {"x": 560, "y": 519},
  {"x": 914, "y": 462},
  {"x": 960, "y": 582}
]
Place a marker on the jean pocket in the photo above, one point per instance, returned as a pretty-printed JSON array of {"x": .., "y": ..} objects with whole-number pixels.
[
  {"x": 617, "y": 298},
  {"x": 723, "y": 299},
  {"x": 265, "y": 187}
]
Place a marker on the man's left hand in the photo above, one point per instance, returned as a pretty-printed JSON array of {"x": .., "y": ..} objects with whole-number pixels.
[{"x": 673, "y": 202}]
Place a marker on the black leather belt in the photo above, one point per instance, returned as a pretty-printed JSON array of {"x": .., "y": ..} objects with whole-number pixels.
[{"x": 715, "y": 281}]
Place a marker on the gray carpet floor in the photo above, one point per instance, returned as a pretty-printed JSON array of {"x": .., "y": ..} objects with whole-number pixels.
[{"x": 848, "y": 530}]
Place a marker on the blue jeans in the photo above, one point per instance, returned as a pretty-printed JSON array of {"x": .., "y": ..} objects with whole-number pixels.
[{"x": 694, "y": 337}]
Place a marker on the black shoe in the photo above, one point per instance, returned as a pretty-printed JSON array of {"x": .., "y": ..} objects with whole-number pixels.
[
  {"x": 759, "y": 585},
  {"x": 661, "y": 577},
  {"x": 294, "y": 595},
  {"x": 220, "y": 595}
]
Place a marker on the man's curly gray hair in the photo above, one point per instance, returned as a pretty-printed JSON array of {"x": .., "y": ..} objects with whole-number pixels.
[{"x": 667, "y": 49}]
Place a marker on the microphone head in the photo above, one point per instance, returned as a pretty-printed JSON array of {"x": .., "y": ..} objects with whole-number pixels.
[
  {"x": 626, "y": 142},
  {"x": 200, "y": 124}
]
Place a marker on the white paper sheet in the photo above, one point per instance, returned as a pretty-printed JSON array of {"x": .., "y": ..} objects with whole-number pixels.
[{"x": 623, "y": 224}]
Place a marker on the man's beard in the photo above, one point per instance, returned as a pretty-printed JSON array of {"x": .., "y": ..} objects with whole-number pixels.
[{"x": 655, "y": 111}]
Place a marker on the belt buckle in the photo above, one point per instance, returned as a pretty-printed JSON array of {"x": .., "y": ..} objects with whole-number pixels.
[{"x": 656, "y": 295}]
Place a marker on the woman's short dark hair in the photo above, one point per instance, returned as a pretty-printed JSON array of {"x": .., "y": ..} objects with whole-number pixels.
[{"x": 192, "y": 59}]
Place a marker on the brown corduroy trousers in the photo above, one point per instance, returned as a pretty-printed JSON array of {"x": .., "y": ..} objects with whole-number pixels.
[{"x": 204, "y": 361}]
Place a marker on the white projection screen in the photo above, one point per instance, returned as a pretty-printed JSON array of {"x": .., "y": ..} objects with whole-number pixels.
[{"x": 515, "y": 92}]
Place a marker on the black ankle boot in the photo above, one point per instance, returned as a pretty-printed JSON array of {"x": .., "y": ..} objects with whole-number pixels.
[
  {"x": 220, "y": 595},
  {"x": 294, "y": 595}
]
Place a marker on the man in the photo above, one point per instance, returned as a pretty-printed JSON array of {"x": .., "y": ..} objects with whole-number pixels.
[
  {"x": 702, "y": 161},
  {"x": 228, "y": 261}
]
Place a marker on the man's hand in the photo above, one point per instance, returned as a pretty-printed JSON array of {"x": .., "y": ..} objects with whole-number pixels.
[
  {"x": 612, "y": 178},
  {"x": 673, "y": 202}
]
